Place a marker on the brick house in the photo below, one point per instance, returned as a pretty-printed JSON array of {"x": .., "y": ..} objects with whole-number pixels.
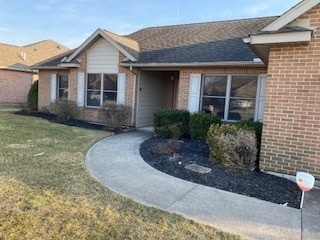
[
  {"x": 16, "y": 74},
  {"x": 262, "y": 69}
]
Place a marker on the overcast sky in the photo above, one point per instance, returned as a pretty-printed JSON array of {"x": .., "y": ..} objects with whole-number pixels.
[{"x": 70, "y": 22}]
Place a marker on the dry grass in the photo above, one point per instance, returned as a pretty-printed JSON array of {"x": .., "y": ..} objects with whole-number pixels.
[{"x": 46, "y": 192}]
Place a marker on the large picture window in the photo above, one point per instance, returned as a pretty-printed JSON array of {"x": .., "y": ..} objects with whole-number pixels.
[
  {"x": 101, "y": 88},
  {"x": 232, "y": 98},
  {"x": 63, "y": 87}
]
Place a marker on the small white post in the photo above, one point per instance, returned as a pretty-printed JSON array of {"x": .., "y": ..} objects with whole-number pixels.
[{"x": 302, "y": 199}]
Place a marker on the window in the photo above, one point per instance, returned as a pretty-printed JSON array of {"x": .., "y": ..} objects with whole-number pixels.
[
  {"x": 101, "y": 88},
  {"x": 232, "y": 98},
  {"x": 63, "y": 87}
]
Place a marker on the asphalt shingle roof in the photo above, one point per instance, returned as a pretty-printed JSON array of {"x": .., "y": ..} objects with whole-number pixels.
[
  {"x": 23, "y": 57},
  {"x": 200, "y": 42},
  {"x": 188, "y": 43}
]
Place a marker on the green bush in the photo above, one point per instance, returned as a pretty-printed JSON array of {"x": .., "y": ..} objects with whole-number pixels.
[
  {"x": 117, "y": 115},
  {"x": 232, "y": 146},
  {"x": 171, "y": 123},
  {"x": 65, "y": 110},
  {"x": 33, "y": 97},
  {"x": 200, "y": 123}
]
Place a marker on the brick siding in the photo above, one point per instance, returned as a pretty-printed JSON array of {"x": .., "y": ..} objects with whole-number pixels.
[
  {"x": 14, "y": 86},
  {"x": 291, "y": 132}
]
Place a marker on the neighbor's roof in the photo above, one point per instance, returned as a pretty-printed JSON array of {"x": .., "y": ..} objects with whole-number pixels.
[
  {"x": 188, "y": 43},
  {"x": 22, "y": 57}
]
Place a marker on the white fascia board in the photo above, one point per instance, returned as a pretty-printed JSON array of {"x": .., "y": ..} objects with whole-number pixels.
[
  {"x": 91, "y": 38},
  {"x": 280, "y": 38},
  {"x": 196, "y": 64},
  {"x": 291, "y": 15},
  {"x": 69, "y": 65}
]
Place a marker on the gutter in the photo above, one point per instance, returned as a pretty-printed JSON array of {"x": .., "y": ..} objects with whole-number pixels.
[
  {"x": 49, "y": 67},
  {"x": 17, "y": 69},
  {"x": 196, "y": 64}
]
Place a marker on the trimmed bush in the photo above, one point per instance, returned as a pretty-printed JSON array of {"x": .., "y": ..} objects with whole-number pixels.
[
  {"x": 115, "y": 115},
  {"x": 33, "y": 97},
  {"x": 252, "y": 126},
  {"x": 171, "y": 123},
  {"x": 232, "y": 147},
  {"x": 65, "y": 110},
  {"x": 257, "y": 128},
  {"x": 200, "y": 123}
]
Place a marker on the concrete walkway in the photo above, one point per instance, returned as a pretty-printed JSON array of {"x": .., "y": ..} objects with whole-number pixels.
[{"x": 117, "y": 164}]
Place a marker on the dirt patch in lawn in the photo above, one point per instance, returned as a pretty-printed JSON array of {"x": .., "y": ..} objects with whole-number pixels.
[{"x": 254, "y": 184}]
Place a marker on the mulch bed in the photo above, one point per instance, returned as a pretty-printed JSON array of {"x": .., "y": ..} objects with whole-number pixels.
[
  {"x": 254, "y": 184},
  {"x": 74, "y": 123}
]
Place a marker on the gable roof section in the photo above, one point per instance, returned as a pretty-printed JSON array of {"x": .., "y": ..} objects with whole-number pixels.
[
  {"x": 21, "y": 58},
  {"x": 291, "y": 15},
  {"x": 128, "y": 47}
]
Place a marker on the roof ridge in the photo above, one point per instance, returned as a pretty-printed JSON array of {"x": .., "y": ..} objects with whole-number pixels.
[
  {"x": 7, "y": 44},
  {"x": 202, "y": 23},
  {"x": 31, "y": 44}
]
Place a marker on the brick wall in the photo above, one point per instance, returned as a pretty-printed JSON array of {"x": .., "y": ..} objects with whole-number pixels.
[
  {"x": 89, "y": 114},
  {"x": 291, "y": 133},
  {"x": 14, "y": 86},
  {"x": 184, "y": 79},
  {"x": 44, "y": 86}
]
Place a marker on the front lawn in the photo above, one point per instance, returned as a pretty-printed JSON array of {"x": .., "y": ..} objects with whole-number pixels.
[{"x": 47, "y": 193}]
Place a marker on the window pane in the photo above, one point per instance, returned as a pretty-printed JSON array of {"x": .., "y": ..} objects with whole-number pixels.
[
  {"x": 63, "y": 94},
  {"x": 244, "y": 86},
  {"x": 63, "y": 81},
  {"x": 94, "y": 81},
  {"x": 109, "y": 97},
  {"x": 214, "y": 105},
  {"x": 93, "y": 98},
  {"x": 215, "y": 85},
  {"x": 110, "y": 82},
  {"x": 241, "y": 109}
]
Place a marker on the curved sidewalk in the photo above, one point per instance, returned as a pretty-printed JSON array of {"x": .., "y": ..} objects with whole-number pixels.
[{"x": 117, "y": 164}]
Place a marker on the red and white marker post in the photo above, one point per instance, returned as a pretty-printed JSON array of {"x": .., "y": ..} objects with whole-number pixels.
[{"x": 305, "y": 182}]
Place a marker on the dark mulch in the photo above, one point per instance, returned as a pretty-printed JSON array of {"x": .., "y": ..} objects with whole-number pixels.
[
  {"x": 254, "y": 184},
  {"x": 74, "y": 123}
]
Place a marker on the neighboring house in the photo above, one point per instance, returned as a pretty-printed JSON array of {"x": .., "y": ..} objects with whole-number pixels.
[
  {"x": 263, "y": 69},
  {"x": 16, "y": 75}
]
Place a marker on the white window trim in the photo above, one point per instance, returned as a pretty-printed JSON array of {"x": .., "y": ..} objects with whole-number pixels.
[
  {"x": 101, "y": 90},
  {"x": 58, "y": 86},
  {"x": 228, "y": 94}
]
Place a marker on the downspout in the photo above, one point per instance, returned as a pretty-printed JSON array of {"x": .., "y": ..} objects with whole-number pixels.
[{"x": 133, "y": 96}]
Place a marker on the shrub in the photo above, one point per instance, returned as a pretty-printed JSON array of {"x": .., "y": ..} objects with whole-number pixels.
[
  {"x": 65, "y": 110},
  {"x": 252, "y": 126},
  {"x": 171, "y": 146},
  {"x": 231, "y": 146},
  {"x": 171, "y": 123},
  {"x": 33, "y": 97},
  {"x": 115, "y": 115},
  {"x": 200, "y": 123}
]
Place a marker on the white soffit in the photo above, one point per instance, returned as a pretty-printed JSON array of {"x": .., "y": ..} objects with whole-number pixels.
[{"x": 291, "y": 15}]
